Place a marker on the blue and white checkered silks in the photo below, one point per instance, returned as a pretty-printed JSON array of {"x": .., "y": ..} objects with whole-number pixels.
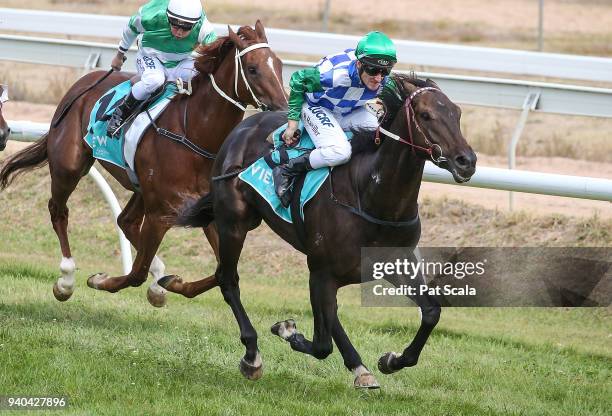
[{"x": 343, "y": 90}]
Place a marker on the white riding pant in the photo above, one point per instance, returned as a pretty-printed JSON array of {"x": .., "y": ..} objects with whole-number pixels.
[
  {"x": 153, "y": 74},
  {"x": 327, "y": 128}
]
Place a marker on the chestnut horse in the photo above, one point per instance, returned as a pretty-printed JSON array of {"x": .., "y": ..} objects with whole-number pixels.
[
  {"x": 373, "y": 203},
  {"x": 234, "y": 71},
  {"x": 4, "y": 128}
]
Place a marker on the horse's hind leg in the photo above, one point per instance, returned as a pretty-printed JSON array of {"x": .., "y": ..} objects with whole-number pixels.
[
  {"x": 175, "y": 284},
  {"x": 67, "y": 169},
  {"x": 231, "y": 242}
]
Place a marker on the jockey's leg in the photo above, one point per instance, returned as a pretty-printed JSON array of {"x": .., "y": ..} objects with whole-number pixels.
[
  {"x": 359, "y": 118},
  {"x": 325, "y": 130},
  {"x": 184, "y": 70},
  {"x": 152, "y": 76},
  {"x": 332, "y": 149}
]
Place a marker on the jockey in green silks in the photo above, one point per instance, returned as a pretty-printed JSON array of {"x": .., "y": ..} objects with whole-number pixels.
[{"x": 168, "y": 32}]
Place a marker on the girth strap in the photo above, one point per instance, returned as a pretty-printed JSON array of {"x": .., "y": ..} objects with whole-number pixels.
[
  {"x": 358, "y": 211},
  {"x": 180, "y": 139}
]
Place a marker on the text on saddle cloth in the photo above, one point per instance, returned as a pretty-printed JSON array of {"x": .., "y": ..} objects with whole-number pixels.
[
  {"x": 259, "y": 174},
  {"x": 120, "y": 149}
]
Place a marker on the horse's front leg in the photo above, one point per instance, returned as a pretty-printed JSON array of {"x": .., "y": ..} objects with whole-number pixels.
[
  {"x": 430, "y": 315},
  {"x": 323, "y": 292},
  {"x": 151, "y": 234},
  {"x": 352, "y": 360}
]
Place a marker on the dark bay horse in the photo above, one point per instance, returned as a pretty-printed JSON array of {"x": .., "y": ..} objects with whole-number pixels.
[
  {"x": 234, "y": 71},
  {"x": 382, "y": 179},
  {"x": 4, "y": 128}
]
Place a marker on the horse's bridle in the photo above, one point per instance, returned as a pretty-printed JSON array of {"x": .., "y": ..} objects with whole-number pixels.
[
  {"x": 238, "y": 64},
  {"x": 410, "y": 115}
]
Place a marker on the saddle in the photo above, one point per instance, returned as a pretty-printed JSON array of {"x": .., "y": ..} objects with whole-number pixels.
[
  {"x": 259, "y": 176},
  {"x": 182, "y": 87},
  {"x": 120, "y": 149}
]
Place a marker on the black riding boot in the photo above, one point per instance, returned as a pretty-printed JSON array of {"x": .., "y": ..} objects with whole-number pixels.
[
  {"x": 122, "y": 112},
  {"x": 284, "y": 175}
]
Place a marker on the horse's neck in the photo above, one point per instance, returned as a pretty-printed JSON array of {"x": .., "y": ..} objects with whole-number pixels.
[
  {"x": 210, "y": 117},
  {"x": 391, "y": 181}
]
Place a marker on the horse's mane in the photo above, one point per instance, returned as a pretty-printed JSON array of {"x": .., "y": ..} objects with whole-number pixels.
[
  {"x": 393, "y": 96},
  {"x": 211, "y": 55}
]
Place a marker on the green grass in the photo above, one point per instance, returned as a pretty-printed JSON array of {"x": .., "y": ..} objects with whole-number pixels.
[{"x": 114, "y": 354}]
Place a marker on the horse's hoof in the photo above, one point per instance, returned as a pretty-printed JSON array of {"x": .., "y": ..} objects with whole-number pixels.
[
  {"x": 95, "y": 280},
  {"x": 366, "y": 381},
  {"x": 156, "y": 296},
  {"x": 284, "y": 329},
  {"x": 384, "y": 363},
  {"x": 59, "y": 295},
  {"x": 172, "y": 283},
  {"x": 252, "y": 371}
]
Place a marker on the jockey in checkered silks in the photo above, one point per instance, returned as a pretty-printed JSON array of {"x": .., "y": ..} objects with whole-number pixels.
[
  {"x": 330, "y": 99},
  {"x": 167, "y": 32}
]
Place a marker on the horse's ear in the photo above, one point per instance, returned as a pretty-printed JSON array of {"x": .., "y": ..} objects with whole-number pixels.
[
  {"x": 235, "y": 38},
  {"x": 404, "y": 86},
  {"x": 261, "y": 32},
  {"x": 431, "y": 83}
]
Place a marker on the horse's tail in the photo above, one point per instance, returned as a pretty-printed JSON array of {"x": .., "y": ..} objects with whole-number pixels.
[
  {"x": 30, "y": 158},
  {"x": 197, "y": 213}
]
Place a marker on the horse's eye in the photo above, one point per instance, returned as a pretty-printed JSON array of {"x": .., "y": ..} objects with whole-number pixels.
[
  {"x": 425, "y": 116},
  {"x": 252, "y": 70}
]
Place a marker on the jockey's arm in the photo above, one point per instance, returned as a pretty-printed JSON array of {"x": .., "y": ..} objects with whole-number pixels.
[
  {"x": 302, "y": 81},
  {"x": 130, "y": 32},
  {"x": 207, "y": 31}
]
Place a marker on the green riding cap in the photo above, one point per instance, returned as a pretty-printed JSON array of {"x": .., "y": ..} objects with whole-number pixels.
[{"x": 376, "y": 49}]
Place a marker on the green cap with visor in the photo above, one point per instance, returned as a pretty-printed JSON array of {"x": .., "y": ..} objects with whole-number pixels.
[{"x": 376, "y": 49}]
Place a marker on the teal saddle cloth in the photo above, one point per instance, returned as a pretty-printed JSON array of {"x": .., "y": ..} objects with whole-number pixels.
[
  {"x": 259, "y": 174},
  {"x": 103, "y": 146}
]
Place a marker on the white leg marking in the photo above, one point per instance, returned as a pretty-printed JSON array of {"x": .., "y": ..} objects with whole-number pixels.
[
  {"x": 360, "y": 370},
  {"x": 65, "y": 283},
  {"x": 257, "y": 362},
  {"x": 157, "y": 270},
  {"x": 364, "y": 378},
  {"x": 287, "y": 329}
]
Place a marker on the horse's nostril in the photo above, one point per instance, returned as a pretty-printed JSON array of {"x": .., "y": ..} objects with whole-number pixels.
[{"x": 462, "y": 162}]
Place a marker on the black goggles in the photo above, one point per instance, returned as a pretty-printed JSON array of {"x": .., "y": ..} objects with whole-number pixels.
[
  {"x": 375, "y": 70},
  {"x": 179, "y": 24}
]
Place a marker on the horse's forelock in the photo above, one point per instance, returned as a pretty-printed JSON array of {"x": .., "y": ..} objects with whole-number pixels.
[
  {"x": 248, "y": 34},
  {"x": 211, "y": 55}
]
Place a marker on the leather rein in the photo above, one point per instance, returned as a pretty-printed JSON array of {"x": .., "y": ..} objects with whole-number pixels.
[{"x": 237, "y": 66}]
